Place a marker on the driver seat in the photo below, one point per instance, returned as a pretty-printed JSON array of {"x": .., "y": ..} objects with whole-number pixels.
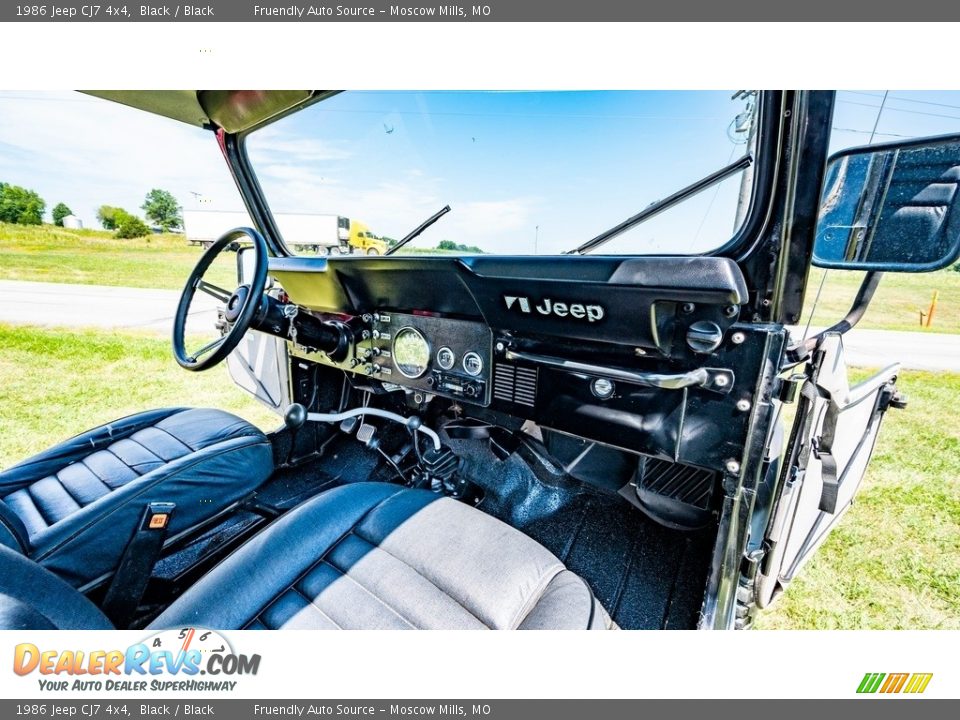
[
  {"x": 367, "y": 556},
  {"x": 74, "y": 508}
]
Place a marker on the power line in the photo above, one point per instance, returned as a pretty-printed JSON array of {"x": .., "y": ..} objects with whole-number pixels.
[
  {"x": 902, "y": 110},
  {"x": 903, "y": 99},
  {"x": 868, "y": 132},
  {"x": 883, "y": 104}
]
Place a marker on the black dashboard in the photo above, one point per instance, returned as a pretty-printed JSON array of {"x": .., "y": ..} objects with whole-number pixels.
[{"x": 640, "y": 353}]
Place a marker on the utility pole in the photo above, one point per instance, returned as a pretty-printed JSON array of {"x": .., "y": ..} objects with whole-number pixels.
[
  {"x": 536, "y": 241},
  {"x": 745, "y": 122}
]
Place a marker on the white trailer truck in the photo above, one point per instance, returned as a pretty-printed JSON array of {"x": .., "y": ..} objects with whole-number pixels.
[{"x": 302, "y": 232}]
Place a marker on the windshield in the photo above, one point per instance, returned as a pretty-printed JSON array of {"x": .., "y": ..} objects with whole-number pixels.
[{"x": 523, "y": 172}]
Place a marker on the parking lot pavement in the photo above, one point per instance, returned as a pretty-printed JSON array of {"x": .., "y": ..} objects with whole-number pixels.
[{"x": 54, "y": 304}]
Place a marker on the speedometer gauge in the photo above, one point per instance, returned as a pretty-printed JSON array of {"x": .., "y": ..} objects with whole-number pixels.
[{"x": 411, "y": 352}]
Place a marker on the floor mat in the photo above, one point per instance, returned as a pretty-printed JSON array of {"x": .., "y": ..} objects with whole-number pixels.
[{"x": 647, "y": 576}]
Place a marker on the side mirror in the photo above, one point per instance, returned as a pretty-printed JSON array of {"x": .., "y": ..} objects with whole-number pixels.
[{"x": 891, "y": 207}]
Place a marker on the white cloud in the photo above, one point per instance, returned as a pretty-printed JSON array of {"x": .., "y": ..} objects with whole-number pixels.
[
  {"x": 88, "y": 152},
  {"x": 272, "y": 142}
]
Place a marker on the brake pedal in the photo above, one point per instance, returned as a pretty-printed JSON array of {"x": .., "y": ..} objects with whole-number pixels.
[{"x": 365, "y": 433}]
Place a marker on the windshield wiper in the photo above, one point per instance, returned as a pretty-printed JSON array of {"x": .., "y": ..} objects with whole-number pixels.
[
  {"x": 659, "y": 206},
  {"x": 423, "y": 226}
]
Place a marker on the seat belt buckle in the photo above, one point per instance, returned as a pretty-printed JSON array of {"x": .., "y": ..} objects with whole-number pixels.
[
  {"x": 136, "y": 564},
  {"x": 157, "y": 515}
]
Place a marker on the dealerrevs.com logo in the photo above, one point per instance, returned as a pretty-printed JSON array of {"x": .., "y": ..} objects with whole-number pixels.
[
  {"x": 184, "y": 654},
  {"x": 892, "y": 683}
]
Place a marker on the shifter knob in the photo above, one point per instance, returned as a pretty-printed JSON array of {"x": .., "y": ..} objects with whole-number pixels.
[{"x": 295, "y": 416}]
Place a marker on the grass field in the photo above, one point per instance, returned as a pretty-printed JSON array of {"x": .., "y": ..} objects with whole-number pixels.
[
  {"x": 55, "y": 384},
  {"x": 51, "y": 254},
  {"x": 896, "y": 304},
  {"x": 94, "y": 257},
  {"x": 47, "y": 253},
  {"x": 894, "y": 562}
]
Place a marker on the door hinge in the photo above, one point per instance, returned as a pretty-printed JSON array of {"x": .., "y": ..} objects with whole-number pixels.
[{"x": 890, "y": 397}]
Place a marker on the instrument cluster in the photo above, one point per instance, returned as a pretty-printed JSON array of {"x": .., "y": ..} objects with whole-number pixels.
[{"x": 439, "y": 355}]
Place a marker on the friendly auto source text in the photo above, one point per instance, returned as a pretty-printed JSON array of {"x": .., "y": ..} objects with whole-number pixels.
[
  {"x": 441, "y": 709},
  {"x": 299, "y": 11}
]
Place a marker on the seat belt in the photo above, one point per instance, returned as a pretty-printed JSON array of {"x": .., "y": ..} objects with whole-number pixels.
[{"x": 133, "y": 573}]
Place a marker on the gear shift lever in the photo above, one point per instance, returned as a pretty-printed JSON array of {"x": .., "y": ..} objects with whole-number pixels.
[{"x": 294, "y": 419}]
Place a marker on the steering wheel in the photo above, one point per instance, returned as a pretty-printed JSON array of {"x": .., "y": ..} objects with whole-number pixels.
[{"x": 241, "y": 305}]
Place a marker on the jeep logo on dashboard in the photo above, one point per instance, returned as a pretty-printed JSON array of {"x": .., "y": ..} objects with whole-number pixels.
[{"x": 546, "y": 306}]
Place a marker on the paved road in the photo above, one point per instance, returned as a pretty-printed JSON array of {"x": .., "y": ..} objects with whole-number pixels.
[
  {"x": 113, "y": 307},
  {"x": 914, "y": 350},
  {"x": 55, "y": 304}
]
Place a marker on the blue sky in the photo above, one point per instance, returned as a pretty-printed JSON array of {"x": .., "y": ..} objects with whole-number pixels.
[{"x": 571, "y": 163}]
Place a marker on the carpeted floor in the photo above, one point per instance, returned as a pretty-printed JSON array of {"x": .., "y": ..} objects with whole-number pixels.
[{"x": 646, "y": 575}]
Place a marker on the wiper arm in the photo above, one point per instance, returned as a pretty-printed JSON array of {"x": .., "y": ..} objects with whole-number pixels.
[
  {"x": 423, "y": 226},
  {"x": 668, "y": 202}
]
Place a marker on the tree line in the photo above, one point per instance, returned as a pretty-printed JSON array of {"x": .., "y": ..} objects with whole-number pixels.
[{"x": 22, "y": 206}]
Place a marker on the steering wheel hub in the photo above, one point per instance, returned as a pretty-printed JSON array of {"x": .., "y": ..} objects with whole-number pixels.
[{"x": 236, "y": 303}]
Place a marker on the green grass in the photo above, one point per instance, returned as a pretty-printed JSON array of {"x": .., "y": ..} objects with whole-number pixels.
[
  {"x": 896, "y": 304},
  {"x": 57, "y": 383},
  {"x": 47, "y": 253},
  {"x": 893, "y": 562}
]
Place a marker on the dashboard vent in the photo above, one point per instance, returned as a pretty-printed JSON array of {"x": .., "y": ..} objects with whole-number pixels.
[{"x": 515, "y": 384}]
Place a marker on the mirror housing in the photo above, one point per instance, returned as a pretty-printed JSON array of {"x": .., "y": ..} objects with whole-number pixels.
[{"x": 891, "y": 207}]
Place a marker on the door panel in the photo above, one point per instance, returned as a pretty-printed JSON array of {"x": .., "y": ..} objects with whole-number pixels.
[{"x": 833, "y": 438}]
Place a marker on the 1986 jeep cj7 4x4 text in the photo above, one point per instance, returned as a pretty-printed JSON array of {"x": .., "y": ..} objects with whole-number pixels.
[{"x": 476, "y": 439}]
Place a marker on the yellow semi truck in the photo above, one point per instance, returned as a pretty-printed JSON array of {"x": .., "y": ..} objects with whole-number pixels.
[
  {"x": 362, "y": 240},
  {"x": 302, "y": 232}
]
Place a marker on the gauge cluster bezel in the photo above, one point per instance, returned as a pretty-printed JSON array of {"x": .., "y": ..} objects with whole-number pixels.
[{"x": 470, "y": 343}]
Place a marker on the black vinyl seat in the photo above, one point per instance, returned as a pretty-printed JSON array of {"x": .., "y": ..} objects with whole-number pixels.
[
  {"x": 74, "y": 508},
  {"x": 361, "y": 556}
]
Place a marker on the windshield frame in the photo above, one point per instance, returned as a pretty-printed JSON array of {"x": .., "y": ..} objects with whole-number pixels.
[{"x": 766, "y": 154}]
